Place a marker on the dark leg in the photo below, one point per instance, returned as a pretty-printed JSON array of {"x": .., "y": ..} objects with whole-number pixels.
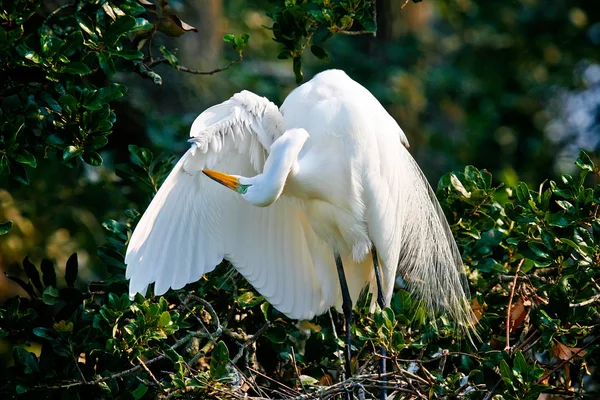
[
  {"x": 381, "y": 302},
  {"x": 347, "y": 308}
]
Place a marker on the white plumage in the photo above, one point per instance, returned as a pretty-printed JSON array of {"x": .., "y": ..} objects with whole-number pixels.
[{"x": 327, "y": 173}]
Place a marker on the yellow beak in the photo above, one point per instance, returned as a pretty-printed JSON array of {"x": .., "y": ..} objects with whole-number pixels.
[{"x": 226, "y": 180}]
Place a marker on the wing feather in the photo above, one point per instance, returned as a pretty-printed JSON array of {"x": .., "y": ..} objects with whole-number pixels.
[{"x": 192, "y": 223}]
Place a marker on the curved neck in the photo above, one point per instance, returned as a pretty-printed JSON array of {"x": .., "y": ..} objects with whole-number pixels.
[{"x": 264, "y": 189}]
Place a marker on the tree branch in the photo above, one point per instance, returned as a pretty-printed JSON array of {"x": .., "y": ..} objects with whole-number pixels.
[
  {"x": 512, "y": 293},
  {"x": 163, "y": 60},
  {"x": 129, "y": 371}
]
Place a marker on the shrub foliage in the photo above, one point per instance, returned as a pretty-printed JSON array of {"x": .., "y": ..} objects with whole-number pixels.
[{"x": 531, "y": 254}]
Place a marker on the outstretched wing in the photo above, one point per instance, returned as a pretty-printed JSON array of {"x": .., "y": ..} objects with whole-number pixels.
[{"x": 193, "y": 223}]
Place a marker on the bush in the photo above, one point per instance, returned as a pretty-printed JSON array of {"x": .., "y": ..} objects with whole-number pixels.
[{"x": 532, "y": 260}]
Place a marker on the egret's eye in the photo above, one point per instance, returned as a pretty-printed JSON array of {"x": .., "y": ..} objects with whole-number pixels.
[{"x": 242, "y": 189}]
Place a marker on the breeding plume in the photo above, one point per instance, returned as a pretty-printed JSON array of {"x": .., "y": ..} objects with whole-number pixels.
[{"x": 314, "y": 202}]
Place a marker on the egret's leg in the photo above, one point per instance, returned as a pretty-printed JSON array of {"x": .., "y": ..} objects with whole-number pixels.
[
  {"x": 381, "y": 302},
  {"x": 347, "y": 308}
]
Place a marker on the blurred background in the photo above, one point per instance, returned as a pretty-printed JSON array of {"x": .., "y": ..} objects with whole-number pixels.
[{"x": 512, "y": 87}]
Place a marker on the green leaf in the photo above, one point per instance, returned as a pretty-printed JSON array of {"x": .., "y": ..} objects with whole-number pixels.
[
  {"x": 585, "y": 162},
  {"x": 71, "y": 270},
  {"x": 86, "y": 25},
  {"x": 169, "y": 56},
  {"x": 165, "y": 319},
  {"x": 128, "y": 54},
  {"x": 538, "y": 252},
  {"x": 321, "y": 35},
  {"x": 107, "y": 64},
  {"x": 276, "y": 334},
  {"x": 114, "y": 301},
  {"x": 457, "y": 185},
  {"x": 506, "y": 373},
  {"x": 110, "y": 93},
  {"x": 45, "y": 333},
  {"x": 20, "y": 389},
  {"x": 5, "y": 227},
  {"x": 142, "y": 24},
  {"x": 347, "y": 22},
  {"x": 319, "y": 52},
  {"x": 72, "y": 151},
  {"x": 19, "y": 173},
  {"x": 523, "y": 193},
  {"x": 521, "y": 365},
  {"x": 249, "y": 299},
  {"x": 26, "y": 359},
  {"x": 76, "y": 68},
  {"x": 120, "y": 27},
  {"x": 116, "y": 227},
  {"x": 28, "y": 54},
  {"x": 71, "y": 43},
  {"x": 48, "y": 273},
  {"x": 219, "y": 361},
  {"x": 241, "y": 42},
  {"x": 25, "y": 157},
  {"x": 284, "y": 55},
  {"x": 308, "y": 380},
  {"x": 139, "y": 391},
  {"x": 92, "y": 158},
  {"x": 140, "y": 156},
  {"x": 33, "y": 274},
  {"x": 51, "y": 296},
  {"x": 69, "y": 102},
  {"x": 297, "y": 64}
]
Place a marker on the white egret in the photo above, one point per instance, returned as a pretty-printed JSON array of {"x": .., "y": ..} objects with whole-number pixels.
[{"x": 326, "y": 201}]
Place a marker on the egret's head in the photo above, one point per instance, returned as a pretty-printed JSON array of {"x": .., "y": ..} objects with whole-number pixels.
[
  {"x": 263, "y": 189},
  {"x": 230, "y": 181},
  {"x": 255, "y": 190}
]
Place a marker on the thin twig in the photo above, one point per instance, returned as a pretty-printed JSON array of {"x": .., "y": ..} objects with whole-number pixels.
[
  {"x": 288, "y": 389},
  {"x": 296, "y": 369},
  {"x": 563, "y": 362},
  {"x": 129, "y": 371},
  {"x": 163, "y": 60},
  {"x": 490, "y": 394},
  {"x": 251, "y": 339},
  {"x": 158, "y": 385},
  {"x": 207, "y": 306},
  {"x": 531, "y": 336},
  {"x": 591, "y": 300},
  {"x": 526, "y": 349},
  {"x": 59, "y": 9},
  {"x": 354, "y": 33},
  {"x": 512, "y": 293}
]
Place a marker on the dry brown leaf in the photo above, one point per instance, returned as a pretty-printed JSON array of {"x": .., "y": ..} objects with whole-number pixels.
[
  {"x": 564, "y": 352},
  {"x": 518, "y": 313},
  {"x": 477, "y": 309},
  {"x": 172, "y": 26},
  {"x": 326, "y": 380},
  {"x": 561, "y": 351}
]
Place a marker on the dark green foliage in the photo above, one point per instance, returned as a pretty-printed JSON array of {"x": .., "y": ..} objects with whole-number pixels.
[
  {"x": 54, "y": 93},
  {"x": 300, "y": 24},
  {"x": 48, "y": 105},
  {"x": 200, "y": 339}
]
